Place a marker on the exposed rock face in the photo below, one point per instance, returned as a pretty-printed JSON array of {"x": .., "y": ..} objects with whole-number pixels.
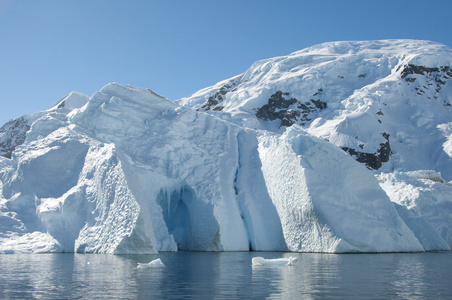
[
  {"x": 372, "y": 160},
  {"x": 422, "y": 70},
  {"x": 215, "y": 100},
  {"x": 427, "y": 78},
  {"x": 289, "y": 111},
  {"x": 12, "y": 134},
  {"x": 278, "y": 108}
]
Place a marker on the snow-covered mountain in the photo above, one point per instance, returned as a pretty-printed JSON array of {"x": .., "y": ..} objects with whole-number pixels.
[
  {"x": 341, "y": 147},
  {"x": 386, "y": 103}
]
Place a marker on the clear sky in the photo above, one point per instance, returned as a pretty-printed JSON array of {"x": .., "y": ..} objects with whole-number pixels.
[{"x": 49, "y": 48}]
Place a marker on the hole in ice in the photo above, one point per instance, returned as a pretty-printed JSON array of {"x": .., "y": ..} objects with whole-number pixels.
[
  {"x": 176, "y": 214},
  {"x": 190, "y": 221}
]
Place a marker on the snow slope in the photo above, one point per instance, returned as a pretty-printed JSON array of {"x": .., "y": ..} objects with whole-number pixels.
[
  {"x": 127, "y": 171},
  {"x": 387, "y": 103}
]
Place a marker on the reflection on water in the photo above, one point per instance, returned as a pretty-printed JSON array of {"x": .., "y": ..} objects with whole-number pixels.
[{"x": 198, "y": 275}]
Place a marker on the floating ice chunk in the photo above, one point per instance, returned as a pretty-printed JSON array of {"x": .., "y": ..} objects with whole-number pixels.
[
  {"x": 260, "y": 261},
  {"x": 156, "y": 263},
  {"x": 291, "y": 260}
]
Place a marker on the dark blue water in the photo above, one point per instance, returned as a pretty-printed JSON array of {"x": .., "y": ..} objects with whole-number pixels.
[{"x": 198, "y": 275}]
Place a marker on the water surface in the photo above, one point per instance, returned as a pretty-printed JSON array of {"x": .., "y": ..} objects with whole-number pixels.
[{"x": 226, "y": 275}]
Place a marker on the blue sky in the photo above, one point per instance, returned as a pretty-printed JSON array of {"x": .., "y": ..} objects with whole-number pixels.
[{"x": 176, "y": 47}]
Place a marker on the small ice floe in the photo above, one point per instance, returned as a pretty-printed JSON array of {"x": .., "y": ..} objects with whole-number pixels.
[
  {"x": 156, "y": 263},
  {"x": 260, "y": 261}
]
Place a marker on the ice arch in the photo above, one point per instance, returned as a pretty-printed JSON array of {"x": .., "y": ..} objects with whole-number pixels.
[{"x": 189, "y": 220}]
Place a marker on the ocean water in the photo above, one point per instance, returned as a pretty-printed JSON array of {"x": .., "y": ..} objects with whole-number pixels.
[{"x": 226, "y": 275}]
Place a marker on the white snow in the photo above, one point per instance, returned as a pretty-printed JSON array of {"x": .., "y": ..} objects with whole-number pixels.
[
  {"x": 127, "y": 171},
  {"x": 424, "y": 200}
]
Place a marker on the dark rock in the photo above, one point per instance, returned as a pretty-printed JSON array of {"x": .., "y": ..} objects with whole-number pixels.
[
  {"x": 369, "y": 159},
  {"x": 290, "y": 111},
  {"x": 372, "y": 160},
  {"x": 436, "y": 77},
  {"x": 384, "y": 152},
  {"x": 318, "y": 93},
  {"x": 12, "y": 134},
  {"x": 319, "y": 104},
  {"x": 277, "y": 108},
  {"x": 215, "y": 99},
  {"x": 62, "y": 104},
  {"x": 414, "y": 69}
]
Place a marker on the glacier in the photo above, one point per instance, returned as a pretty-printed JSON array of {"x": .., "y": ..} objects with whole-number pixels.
[{"x": 288, "y": 156}]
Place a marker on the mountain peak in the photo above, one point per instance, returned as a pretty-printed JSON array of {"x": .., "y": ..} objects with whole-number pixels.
[{"x": 71, "y": 101}]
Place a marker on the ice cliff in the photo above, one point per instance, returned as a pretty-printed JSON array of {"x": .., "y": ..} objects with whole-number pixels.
[{"x": 283, "y": 157}]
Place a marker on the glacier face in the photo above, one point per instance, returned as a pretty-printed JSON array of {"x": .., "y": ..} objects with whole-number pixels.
[
  {"x": 256, "y": 165},
  {"x": 329, "y": 205}
]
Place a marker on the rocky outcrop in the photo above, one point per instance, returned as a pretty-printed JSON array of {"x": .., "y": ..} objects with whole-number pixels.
[
  {"x": 422, "y": 70},
  {"x": 215, "y": 100},
  {"x": 290, "y": 111},
  {"x": 427, "y": 80},
  {"x": 372, "y": 160},
  {"x": 12, "y": 134}
]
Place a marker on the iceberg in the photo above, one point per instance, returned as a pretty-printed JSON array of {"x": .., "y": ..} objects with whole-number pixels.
[
  {"x": 260, "y": 261},
  {"x": 131, "y": 172},
  {"x": 126, "y": 171},
  {"x": 156, "y": 263}
]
